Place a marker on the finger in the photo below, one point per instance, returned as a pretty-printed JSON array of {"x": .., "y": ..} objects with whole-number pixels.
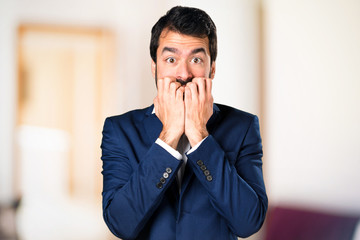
[
  {"x": 187, "y": 96},
  {"x": 160, "y": 85},
  {"x": 201, "y": 88},
  {"x": 168, "y": 81},
  {"x": 180, "y": 94},
  {"x": 170, "y": 87},
  {"x": 173, "y": 88},
  {"x": 208, "y": 86},
  {"x": 177, "y": 84},
  {"x": 193, "y": 90},
  {"x": 166, "y": 92}
]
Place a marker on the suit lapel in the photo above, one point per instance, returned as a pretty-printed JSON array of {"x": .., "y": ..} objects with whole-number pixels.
[
  {"x": 152, "y": 124},
  {"x": 211, "y": 124}
]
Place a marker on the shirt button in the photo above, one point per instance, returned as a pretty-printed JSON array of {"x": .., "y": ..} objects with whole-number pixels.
[
  {"x": 168, "y": 170},
  {"x": 209, "y": 178},
  {"x": 159, "y": 185},
  {"x": 199, "y": 162},
  {"x": 165, "y": 175},
  {"x": 162, "y": 180}
]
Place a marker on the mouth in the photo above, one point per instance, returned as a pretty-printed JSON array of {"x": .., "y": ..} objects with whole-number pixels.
[{"x": 182, "y": 82}]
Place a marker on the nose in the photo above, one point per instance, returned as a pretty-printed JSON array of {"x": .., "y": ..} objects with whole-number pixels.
[{"x": 183, "y": 72}]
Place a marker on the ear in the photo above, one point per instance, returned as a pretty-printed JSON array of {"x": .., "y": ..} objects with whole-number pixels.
[
  {"x": 153, "y": 68},
  {"x": 212, "y": 71}
]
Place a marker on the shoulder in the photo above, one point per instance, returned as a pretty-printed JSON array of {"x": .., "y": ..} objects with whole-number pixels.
[
  {"x": 130, "y": 117},
  {"x": 234, "y": 114},
  {"x": 232, "y": 126},
  {"x": 136, "y": 114}
]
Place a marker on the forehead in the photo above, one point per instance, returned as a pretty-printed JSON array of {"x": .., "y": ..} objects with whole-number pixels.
[{"x": 182, "y": 42}]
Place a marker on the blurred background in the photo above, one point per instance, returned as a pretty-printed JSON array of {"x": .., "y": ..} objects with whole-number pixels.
[{"x": 66, "y": 65}]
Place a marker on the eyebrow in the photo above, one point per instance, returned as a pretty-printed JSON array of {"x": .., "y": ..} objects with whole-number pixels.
[
  {"x": 175, "y": 50},
  {"x": 169, "y": 49},
  {"x": 198, "y": 50}
]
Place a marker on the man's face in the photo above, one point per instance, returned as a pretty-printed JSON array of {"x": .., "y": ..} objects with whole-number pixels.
[{"x": 182, "y": 57}]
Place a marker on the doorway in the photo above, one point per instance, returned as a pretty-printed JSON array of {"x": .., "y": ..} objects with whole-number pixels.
[{"x": 65, "y": 81}]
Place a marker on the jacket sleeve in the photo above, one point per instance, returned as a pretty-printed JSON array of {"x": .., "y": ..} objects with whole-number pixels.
[
  {"x": 235, "y": 189},
  {"x": 132, "y": 189}
]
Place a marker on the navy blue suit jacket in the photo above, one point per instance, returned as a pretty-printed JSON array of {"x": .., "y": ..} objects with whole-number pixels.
[{"x": 222, "y": 195}]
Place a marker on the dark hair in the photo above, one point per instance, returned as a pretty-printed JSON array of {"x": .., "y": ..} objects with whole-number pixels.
[{"x": 188, "y": 21}]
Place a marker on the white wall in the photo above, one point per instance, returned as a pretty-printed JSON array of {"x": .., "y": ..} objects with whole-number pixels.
[
  {"x": 7, "y": 97},
  {"x": 313, "y": 103}
]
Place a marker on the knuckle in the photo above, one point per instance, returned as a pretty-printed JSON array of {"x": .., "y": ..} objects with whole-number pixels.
[{"x": 166, "y": 80}]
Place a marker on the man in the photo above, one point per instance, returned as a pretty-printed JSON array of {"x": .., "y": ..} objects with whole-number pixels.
[{"x": 184, "y": 168}]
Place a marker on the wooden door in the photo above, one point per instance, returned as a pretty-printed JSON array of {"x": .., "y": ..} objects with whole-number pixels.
[{"x": 65, "y": 79}]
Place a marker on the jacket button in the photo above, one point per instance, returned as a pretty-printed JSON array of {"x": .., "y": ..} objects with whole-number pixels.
[
  {"x": 206, "y": 172},
  {"x": 209, "y": 178},
  {"x": 203, "y": 167},
  {"x": 168, "y": 170},
  {"x": 162, "y": 180},
  {"x": 199, "y": 162},
  {"x": 165, "y": 175},
  {"x": 159, "y": 185}
]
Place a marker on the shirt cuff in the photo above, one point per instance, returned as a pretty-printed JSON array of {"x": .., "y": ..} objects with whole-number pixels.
[
  {"x": 195, "y": 147},
  {"x": 172, "y": 151}
]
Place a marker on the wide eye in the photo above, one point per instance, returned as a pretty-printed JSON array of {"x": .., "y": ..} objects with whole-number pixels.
[
  {"x": 196, "y": 60},
  {"x": 170, "y": 60}
]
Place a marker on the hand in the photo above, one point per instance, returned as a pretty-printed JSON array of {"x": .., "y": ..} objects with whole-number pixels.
[
  {"x": 198, "y": 109},
  {"x": 170, "y": 109}
]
